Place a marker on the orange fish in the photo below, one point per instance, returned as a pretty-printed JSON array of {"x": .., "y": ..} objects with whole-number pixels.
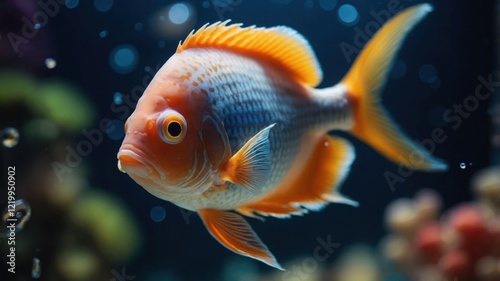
[{"x": 232, "y": 121}]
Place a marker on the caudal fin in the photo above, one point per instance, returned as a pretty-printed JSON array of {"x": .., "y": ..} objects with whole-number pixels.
[{"x": 365, "y": 80}]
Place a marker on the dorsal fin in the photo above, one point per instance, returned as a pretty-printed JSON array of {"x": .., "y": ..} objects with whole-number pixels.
[{"x": 280, "y": 44}]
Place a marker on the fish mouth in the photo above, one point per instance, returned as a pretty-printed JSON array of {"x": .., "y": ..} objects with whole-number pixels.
[
  {"x": 130, "y": 157},
  {"x": 136, "y": 163}
]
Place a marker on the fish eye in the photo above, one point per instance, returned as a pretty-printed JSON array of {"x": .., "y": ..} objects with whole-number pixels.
[{"x": 172, "y": 127}]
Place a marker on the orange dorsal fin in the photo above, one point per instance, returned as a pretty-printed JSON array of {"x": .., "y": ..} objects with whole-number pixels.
[
  {"x": 232, "y": 231},
  {"x": 313, "y": 186},
  {"x": 281, "y": 45}
]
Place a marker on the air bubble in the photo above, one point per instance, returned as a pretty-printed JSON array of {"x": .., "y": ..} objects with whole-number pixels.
[
  {"x": 37, "y": 26},
  {"x": 463, "y": 165},
  {"x": 138, "y": 26},
  {"x": 50, "y": 63},
  {"x": 10, "y": 137},
  {"x": 36, "y": 268},
  {"x": 20, "y": 215}
]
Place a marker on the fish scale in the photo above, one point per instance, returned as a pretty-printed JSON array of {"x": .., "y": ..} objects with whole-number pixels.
[{"x": 250, "y": 95}]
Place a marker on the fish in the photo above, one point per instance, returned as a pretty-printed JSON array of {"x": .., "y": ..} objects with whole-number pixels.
[{"x": 233, "y": 125}]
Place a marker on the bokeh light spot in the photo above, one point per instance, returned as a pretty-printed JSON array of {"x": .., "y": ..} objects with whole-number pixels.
[
  {"x": 114, "y": 130},
  {"x": 157, "y": 213},
  {"x": 308, "y": 4},
  {"x": 179, "y": 13},
  {"x": 138, "y": 26},
  {"x": 206, "y": 4},
  {"x": 50, "y": 63},
  {"x": 103, "y": 33},
  {"x": 123, "y": 59},
  {"x": 10, "y": 137},
  {"x": 103, "y": 5},
  {"x": 327, "y": 5},
  {"x": 398, "y": 69},
  {"x": 117, "y": 98},
  {"x": 428, "y": 73},
  {"x": 71, "y": 4},
  {"x": 348, "y": 14}
]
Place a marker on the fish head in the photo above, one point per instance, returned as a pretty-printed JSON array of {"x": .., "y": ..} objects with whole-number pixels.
[{"x": 174, "y": 143}]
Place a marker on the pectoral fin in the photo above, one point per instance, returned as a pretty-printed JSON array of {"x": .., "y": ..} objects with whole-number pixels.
[
  {"x": 251, "y": 165},
  {"x": 232, "y": 231},
  {"x": 311, "y": 187}
]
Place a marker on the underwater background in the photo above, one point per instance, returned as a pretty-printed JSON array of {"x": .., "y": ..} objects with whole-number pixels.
[{"x": 71, "y": 72}]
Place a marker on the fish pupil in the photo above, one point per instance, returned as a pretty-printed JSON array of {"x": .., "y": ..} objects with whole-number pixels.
[{"x": 174, "y": 129}]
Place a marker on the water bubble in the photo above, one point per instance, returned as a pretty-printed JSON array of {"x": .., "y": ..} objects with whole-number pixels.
[
  {"x": 117, "y": 98},
  {"x": 348, "y": 14},
  {"x": 179, "y": 13},
  {"x": 10, "y": 137},
  {"x": 36, "y": 268},
  {"x": 463, "y": 165},
  {"x": 157, "y": 214},
  {"x": 138, "y": 26},
  {"x": 103, "y": 5},
  {"x": 20, "y": 214},
  {"x": 71, "y": 4},
  {"x": 50, "y": 63},
  {"x": 114, "y": 130},
  {"x": 123, "y": 59},
  {"x": 103, "y": 33},
  {"x": 398, "y": 69},
  {"x": 428, "y": 73},
  {"x": 37, "y": 26},
  {"x": 327, "y": 5}
]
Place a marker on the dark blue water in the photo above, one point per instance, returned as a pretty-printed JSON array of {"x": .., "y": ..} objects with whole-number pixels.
[{"x": 110, "y": 49}]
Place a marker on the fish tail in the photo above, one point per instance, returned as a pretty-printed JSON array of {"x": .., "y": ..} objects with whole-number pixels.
[{"x": 365, "y": 80}]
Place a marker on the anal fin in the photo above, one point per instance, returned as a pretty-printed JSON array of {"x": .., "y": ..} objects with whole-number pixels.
[
  {"x": 232, "y": 231},
  {"x": 313, "y": 186}
]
